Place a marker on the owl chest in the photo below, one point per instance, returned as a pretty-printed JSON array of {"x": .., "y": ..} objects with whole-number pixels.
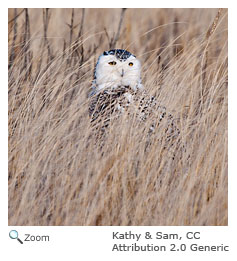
[{"x": 109, "y": 102}]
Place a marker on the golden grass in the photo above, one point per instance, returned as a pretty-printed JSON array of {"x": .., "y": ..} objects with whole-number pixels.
[{"x": 58, "y": 176}]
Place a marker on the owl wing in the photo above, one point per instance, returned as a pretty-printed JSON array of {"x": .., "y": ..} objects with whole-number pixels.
[{"x": 150, "y": 108}]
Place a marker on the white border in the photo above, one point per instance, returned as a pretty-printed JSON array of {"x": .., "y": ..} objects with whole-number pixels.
[
  {"x": 89, "y": 243},
  {"x": 119, "y": 4}
]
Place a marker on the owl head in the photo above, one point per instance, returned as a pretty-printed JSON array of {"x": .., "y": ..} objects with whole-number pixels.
[{"x": 116, "y": 68}]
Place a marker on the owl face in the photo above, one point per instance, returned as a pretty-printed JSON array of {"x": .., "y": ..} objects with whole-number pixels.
[{"x": 118, "y": 68}]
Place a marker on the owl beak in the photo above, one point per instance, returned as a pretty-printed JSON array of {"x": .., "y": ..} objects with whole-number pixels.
[{"x": 122, "y": 74}]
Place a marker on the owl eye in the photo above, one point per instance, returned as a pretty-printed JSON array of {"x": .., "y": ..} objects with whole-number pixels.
[
  {"x": 112, "y": 63},
  {"x": 130, "y": 64}
]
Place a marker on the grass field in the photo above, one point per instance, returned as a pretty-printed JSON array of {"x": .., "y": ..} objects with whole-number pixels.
[{"x": 57, "y": 173}]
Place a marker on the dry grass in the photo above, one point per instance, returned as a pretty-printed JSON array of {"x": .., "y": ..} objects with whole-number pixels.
[{"x": 58, "y": 176}]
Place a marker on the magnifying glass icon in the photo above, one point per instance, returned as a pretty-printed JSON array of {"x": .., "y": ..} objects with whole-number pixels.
[{"x": 13, "y": 234}]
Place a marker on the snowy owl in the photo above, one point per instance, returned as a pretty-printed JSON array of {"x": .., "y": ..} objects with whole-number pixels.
[{"x": 117, "y": 86}]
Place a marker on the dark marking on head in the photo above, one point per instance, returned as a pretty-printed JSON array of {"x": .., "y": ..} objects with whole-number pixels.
[{"x": 120, "y": 54}]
